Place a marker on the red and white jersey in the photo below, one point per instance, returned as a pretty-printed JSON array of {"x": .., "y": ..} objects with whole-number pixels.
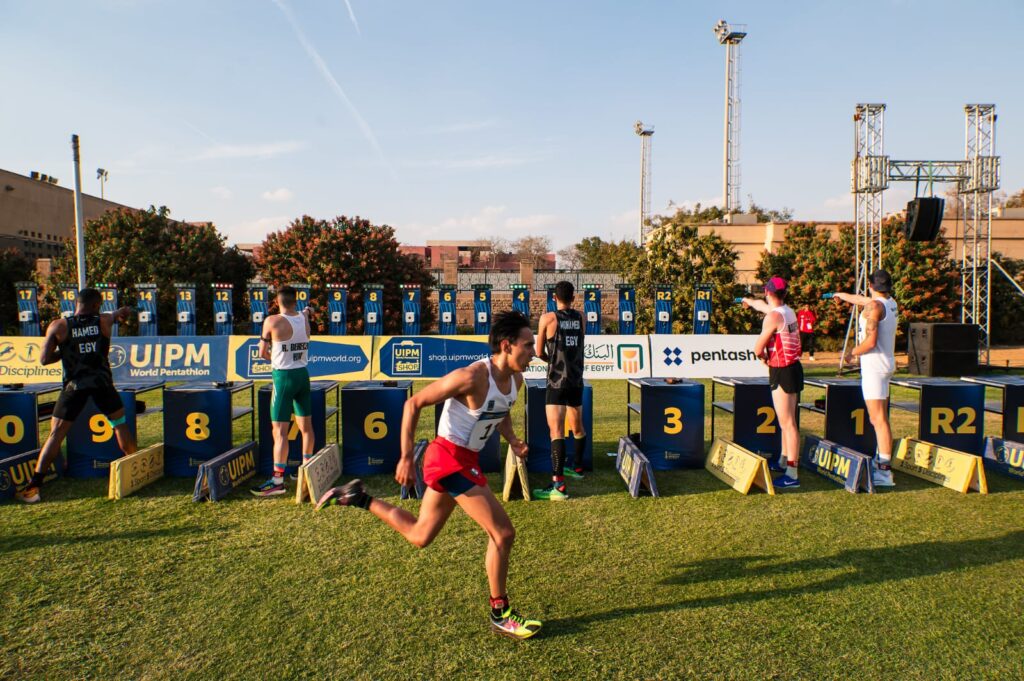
[
  {"x": 471, "y": 428},
  {"x": 784, "y": 347},
  {"x": 807, "y": 319}
]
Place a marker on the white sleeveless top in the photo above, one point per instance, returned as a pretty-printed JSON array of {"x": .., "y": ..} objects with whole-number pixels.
[
  {"x": 292, "y": 353},
  {"x": 471, "y": 428},
  {"x": 881, "y": 358}
]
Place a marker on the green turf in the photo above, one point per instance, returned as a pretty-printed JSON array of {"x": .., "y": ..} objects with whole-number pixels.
[{"x": 916, "y": 583}]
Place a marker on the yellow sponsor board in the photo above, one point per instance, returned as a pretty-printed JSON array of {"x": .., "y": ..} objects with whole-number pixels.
[
  {"x": 19, "y": 361},
  {"x": 317, "y": 475},
  {"x": 950, "y": 468},
  {"x": 737, "y": 467},
  {"x": 131, "y": 473},
  {"x": 517, "y": 480}
]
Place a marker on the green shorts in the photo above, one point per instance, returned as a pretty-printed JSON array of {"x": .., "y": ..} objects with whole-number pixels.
[{"x": 291, "y": 390}]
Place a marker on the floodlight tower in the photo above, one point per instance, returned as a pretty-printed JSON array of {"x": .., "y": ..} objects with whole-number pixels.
[
  {"x": 645, "y": 134},
  {"x": 731, "y": 36}
]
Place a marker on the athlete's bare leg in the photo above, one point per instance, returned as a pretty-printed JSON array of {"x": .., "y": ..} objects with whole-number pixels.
[
  {"x": 419, "y": 531},
  {"x": 480, "y": 504}
]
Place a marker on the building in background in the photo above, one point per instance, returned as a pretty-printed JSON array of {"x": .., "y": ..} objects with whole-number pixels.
[{"x": 470, "y": 254}]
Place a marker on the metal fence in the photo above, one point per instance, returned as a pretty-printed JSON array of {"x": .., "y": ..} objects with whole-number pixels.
[{"x": 607, "y": 280}]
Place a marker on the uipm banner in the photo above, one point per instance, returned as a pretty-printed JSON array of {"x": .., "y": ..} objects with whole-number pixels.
[{"x": 699, "y": 356}]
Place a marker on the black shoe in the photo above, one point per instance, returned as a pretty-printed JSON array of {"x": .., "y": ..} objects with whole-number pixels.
[{"x": 350, "y": 494}]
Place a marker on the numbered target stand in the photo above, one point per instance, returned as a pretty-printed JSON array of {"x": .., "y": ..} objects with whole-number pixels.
[
  {"x": 1005, "y": 456},
  {"x": 319, "y": 474},
  {"x": 947, "y": 467},
  {"x": 371, "y": 426},
  {"x": 627, "y": 308},
  {"x": 185, "y": 308},
  {"x": 258, "y": 306},
  {"x": 146, "y": 304},
  {"x": 841, "y": 465},
  {"x": 28, "y": 308},
  {"x": 419, "y": 487},
  {"x": 20, "y": 414},
  {"x": 219, "y": 476},
  {"x": 846, "y": 417},
  {"x": 671, "y": 419},
  {"x": 446, "y": 318},
  {"x": 223, "y": 304},
  {"x": 322, "y": 413},
  {"x": 490, "y": 457},
  {"x": 109, "y": 303},
  {"x": 951, "y": 413},
  {"x": 373, "y": 309},
  {"x": 337, "y": 309},
  {"x": 755, "y": 425},
  {"x": 635, "y": 469},
  {"x": 592, "y": 308},
  {"x": 411, "y": 294},
  {"x": 738, "y": 467},
  {"x": 198, "y": 424},
  {"x": 91, "y": 443},
  {"x": 481, "y": 309},
  {"x": 521, "y": 298},
  {"x": 538, "y": 435}
]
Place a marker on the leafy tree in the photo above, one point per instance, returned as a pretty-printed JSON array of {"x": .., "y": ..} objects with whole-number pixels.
[
  {"x": 679, "y": 256},
  {"x": 349, "y": 251},
  {"x": 129, "y": 246},
  {"x": 1007, "y": 302},
  {"x": 593, "y": 253},
  {"x": 532, "y": 249},
  {"x": 1016, "y": 200},
  {"x": 769, "y": 214},
  {"x": 13, "y": 267}
]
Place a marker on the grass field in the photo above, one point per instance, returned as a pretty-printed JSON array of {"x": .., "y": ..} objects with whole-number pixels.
[{"x": 915, "y": 583}]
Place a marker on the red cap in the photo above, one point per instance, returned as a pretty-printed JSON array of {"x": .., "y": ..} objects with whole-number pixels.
[{"x": 775, "y": 285}]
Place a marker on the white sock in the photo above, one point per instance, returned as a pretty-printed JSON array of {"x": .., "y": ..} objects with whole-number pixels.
[
  {"x": 884, "y": 458},
  {"x": 791, "y": 469},
  {"x": 276, "y": 480}
]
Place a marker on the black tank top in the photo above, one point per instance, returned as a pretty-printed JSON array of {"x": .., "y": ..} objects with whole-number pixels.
[
  {"x": 84, "y": 353},
  {"x": 565, "y": 351}
]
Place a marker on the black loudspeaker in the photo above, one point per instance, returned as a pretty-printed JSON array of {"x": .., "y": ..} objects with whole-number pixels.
[
  {"x": 924, "y": 217},
  {"x": 943, "y": 349}
]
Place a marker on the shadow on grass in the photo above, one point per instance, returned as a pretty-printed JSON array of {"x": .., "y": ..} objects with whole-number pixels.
[
  {"x": 859, "y": 567},
  {"x": 9, "y": 544}
]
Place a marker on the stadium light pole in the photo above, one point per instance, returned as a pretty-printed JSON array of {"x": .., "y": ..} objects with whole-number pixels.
[
  {"x": 79, "y": 213},
  {"x": 102, "y": 175}
]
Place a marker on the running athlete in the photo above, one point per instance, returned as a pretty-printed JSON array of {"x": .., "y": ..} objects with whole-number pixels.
[
  {"x": 779, "y": 346},
  {"x": 81, "y": 343},
  {"x": 285, "y": 342},
  {"x": 560, "y": 344},
  {"x": 477, "y": 401},
  {"x": 876, "y": 348}
]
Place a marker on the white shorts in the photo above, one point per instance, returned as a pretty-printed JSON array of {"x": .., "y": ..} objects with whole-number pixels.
[{"x": 875, "y": 386}]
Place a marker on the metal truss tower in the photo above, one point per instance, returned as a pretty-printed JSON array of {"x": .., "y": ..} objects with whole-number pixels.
[
  {"x": 976, "y": 178},
  {"x": 731, "y": 36},
  {"x": 645, "y": 134}
]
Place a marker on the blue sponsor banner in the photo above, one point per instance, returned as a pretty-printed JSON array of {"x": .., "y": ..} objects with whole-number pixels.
[
  {"x": 1005, "y": 456},
  {"x": 841, "y": 465},
  {"x": 425, "y": 356},
  {"x": 17, "y": 470},
  {"x": 220, "y": 475},
  {"x": 340, "y": 358},
  {"x": 171, "y": 358},
  {"x": 702, "y": 307},
  {"x": 627, "y": 309}
]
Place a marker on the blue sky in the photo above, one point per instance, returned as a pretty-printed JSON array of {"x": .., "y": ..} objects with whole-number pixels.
[{"x": 458, "y": 119}]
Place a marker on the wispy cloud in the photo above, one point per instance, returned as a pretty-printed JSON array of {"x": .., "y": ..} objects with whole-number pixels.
[
  {"x": 256, "y": 230},
  {"x": 325, "y": 72},
  {"x": 222, "y": 192},
  {"x": 281, "y": 194},
  {"x": 487, "y": 221},
  {"x": 475, "y": 163},
  {"x": 268, "y": 150},
  {"x": 352, "y": 16}
]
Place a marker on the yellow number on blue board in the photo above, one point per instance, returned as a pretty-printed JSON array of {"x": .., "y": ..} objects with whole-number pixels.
[
  {"x": 767, "y": 427},
  {"x": 12, "y": 429},
  {"x": 374, "y": 426},
  {"x": 101, "y": 428},
  {"x": 673, "y": 420},
  {"x": 197, "y": 426},
  {"x": 858, "y": 421}
]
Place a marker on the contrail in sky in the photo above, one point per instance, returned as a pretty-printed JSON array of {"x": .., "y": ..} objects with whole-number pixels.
[
  {"x": 352, "y": 16},
  {"x": 325, "y": 71}
]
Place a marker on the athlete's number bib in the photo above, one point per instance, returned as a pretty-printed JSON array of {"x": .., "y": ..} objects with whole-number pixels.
[{"x": 485, "y": 426}]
